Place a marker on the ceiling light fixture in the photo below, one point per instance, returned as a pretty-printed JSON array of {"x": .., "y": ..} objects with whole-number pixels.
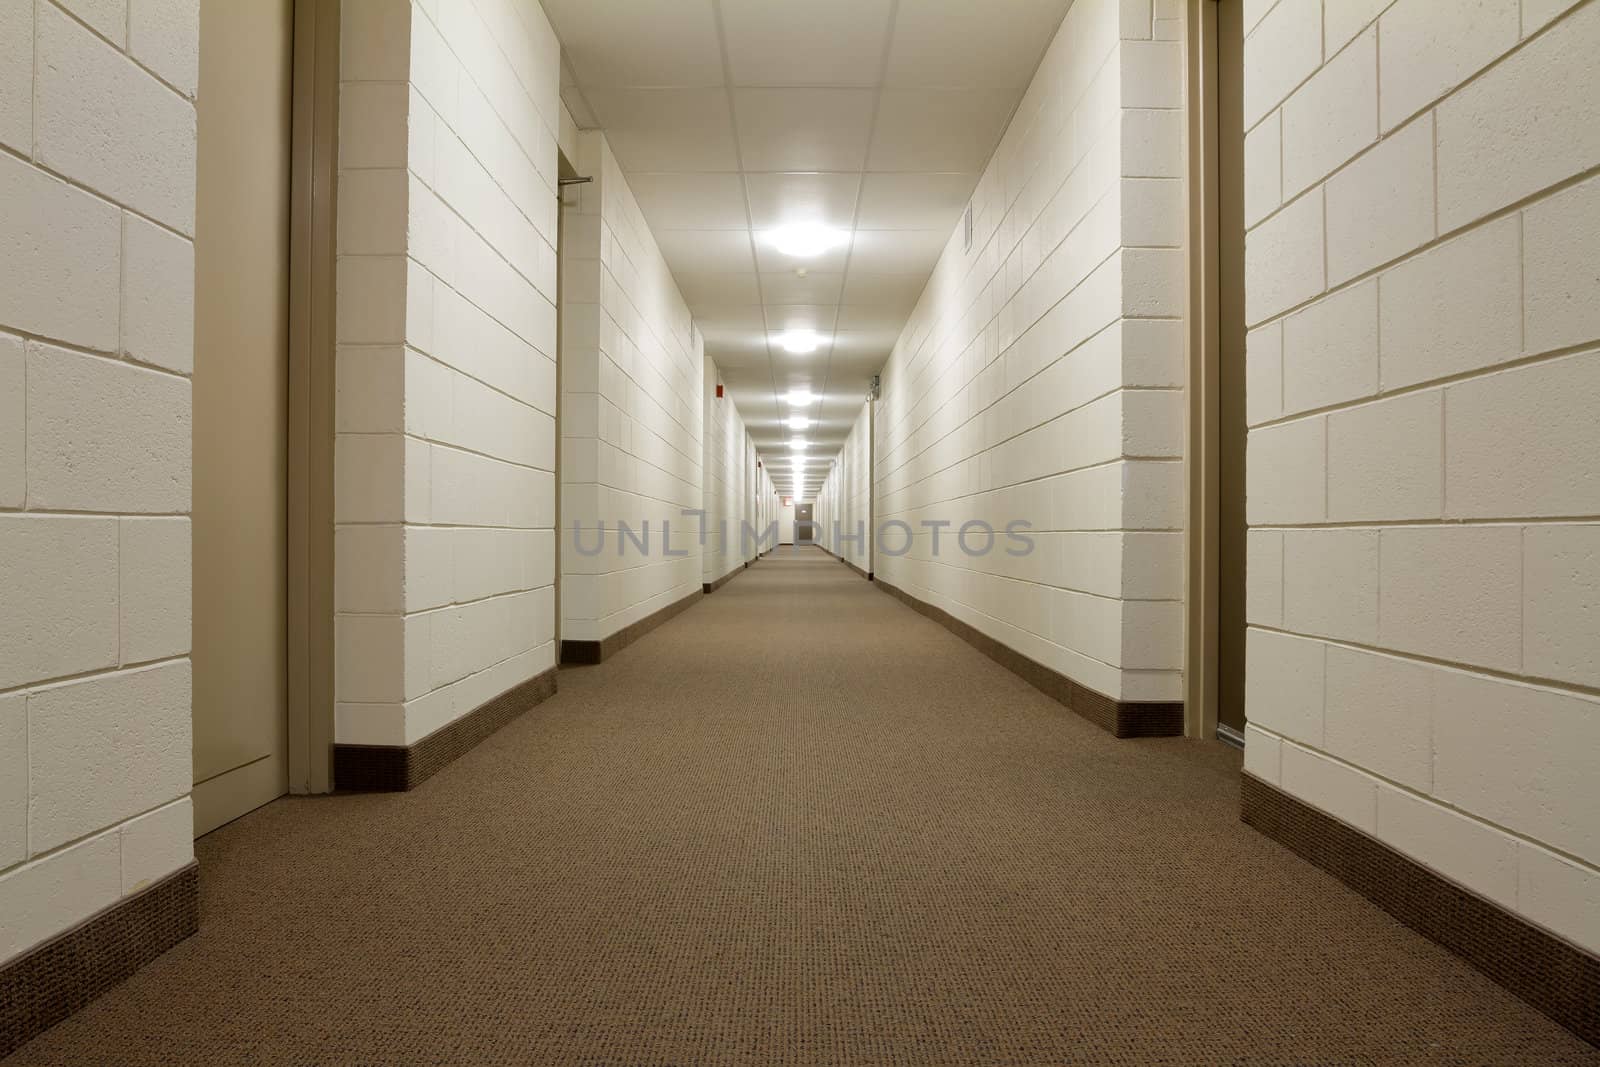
[
  {"x": 806, "y": 239},
  {"x": 799, "y": 342},
  {"x": 799, "y": 398},
  {"x": 798, "y": 422},
  {"x": 797, "y": 444}
]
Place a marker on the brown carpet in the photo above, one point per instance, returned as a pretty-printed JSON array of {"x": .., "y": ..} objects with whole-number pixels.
[{"x": 799, "y": 824}]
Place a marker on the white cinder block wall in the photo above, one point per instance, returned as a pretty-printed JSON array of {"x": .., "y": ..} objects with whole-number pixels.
[
  {"x": 631, "y": 414},
  {"x": 445, "y": 456},
  {"x": 1040, "y": 376},
  {"x": 1424, "y": 378},
  {"x": 97, "y": 178},
  {"x": 729, "y": 466},
  {"x": 844, "y": 503}
]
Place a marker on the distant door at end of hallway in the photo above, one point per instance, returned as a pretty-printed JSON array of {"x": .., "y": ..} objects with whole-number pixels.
[
  {"x": 241, "y": 408},
  {"x": 805, "y": 532}
]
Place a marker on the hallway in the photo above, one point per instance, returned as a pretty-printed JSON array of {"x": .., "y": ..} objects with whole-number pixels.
[{"x": 800, "y": 823}]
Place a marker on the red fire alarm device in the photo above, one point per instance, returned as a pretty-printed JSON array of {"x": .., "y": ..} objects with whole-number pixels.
[{"x": 719, "y": 392}]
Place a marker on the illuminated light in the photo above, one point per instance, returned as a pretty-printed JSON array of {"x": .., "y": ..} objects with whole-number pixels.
[
  {"x": 798, "y": 422},
  {"x": 799, "y": 398},
  {"x": 799, "y": 342},
  {"x": 806, "y": 239}
]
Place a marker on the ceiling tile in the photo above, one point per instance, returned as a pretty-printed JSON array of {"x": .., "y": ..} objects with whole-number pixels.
[
  {"x": 691, "y": 201},
  {"x": 865, "y": 348},
  {"x": 779, "y": 198},
  {"x": 771, "y": 261},
  {"x": 817, "y": 42},
  {"x": 940, "y": 130},
  {"x": 997, "y": 43},
  {"x": 706, "y": 251},
  {"x": 638, "y": 42},
  {"x": 898, "y": 251},
  {"x": 700, "y": 289},
  {"x": 790, "y": 288},
  {"x": 854, "y": 317},
  {"x": 803, "y": 129},
  {"x": 582, "y": 117},
  {"x": 901, "y": 290},
  {"x": 731, "y": 323},
  {"x": 819, "y": 317},
  {"x": 914, "y": 201},
  {"x": 667, "y": 129}
]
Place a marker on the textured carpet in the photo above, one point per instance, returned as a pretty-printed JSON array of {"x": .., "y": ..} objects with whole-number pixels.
[{"x": 798, "y": 824}]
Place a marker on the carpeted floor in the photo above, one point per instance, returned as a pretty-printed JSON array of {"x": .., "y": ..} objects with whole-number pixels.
[{"x": 798, "y": 824}]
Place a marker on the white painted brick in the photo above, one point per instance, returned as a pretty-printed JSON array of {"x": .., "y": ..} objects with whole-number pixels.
[
  {"x": 105, "y": 436},
  {"x": 100, "y": 120},
  {"x": 1264, "y": 577},
  {"x": 371, "y": 388},
  {"x": 13, "y": 419},
  {"x": 157, "y": 844},
  {"x": 1153, "y": 212},
  {"x": 1561, "y": 603},
  {"x": 1386, "y": 459},
  {"x": 1263, "y": 176},
  {"x": 154, "y": 607},
  {"x": 16, "y": 75},
  {"x": 1488, "y": 733},
  {"x": 1263, "y": 754},
  {"x": 1454, "y": 593},
  {"x": 1517, "y": 128},
  {"x": 103, "y": 749},
  {"x": 1332, "y": 116},
  {"x": 1511, "y": 439},
  {"x": 1285, "y": 474},
  {"x": 1284, "y": 684},
  {"x": 60, "y": 578},
  {"x": 1454, "y": 308},
  {"x": 373, "y": 126},
  {"x": 164, "y": 35},
  {"x": 1283, "y": 259},
  {"x": 372, "y": 299},
  {"x": 1330, "y": 350},
  {"x": 1467, "y": 852},
  {"x": 59, "y": 258},
  {"x": 1280, "y": 53},
  {"x": 375, "y": 40},
  {"x": 1537, "y": 13},
  {"x": 109, "y": 18},
  {"x": 1152, "y": 354},
  {"x": 372, "y": 212},
  {"x": 1154, "y": 282},
  {"x": 380, "y": 659},
  {"x": 1377, "y": 715},
  {"x": 1559, "y": 895},
  {"x": 1425, "y": 56},
  {"x": 157, "y": 296},
  {"x": 13, "y": 779},
  {"x": 1341, "y": 791},
  {"x": 1264, "y": 373},
  {"x": 369, "y": 569},
  {"x": 1343, "y": 19},
  {"x": 39, "y": 900},
  {"x": 1330, "y": 584},
  {"x": 369, "y": 477},
  {"x": 1561, "y": 273},
  {"x": 1381, "y": 205},
  {"x": 1152, "y": 144},
  {"x": 1152, "y": 74}
]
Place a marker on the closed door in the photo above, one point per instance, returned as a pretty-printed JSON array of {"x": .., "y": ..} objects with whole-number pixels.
[
  {"x": 804, "y": 530},
  {"x": 241, "y": 408}
]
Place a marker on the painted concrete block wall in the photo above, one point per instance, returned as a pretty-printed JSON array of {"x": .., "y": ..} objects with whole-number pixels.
[
  {"x": 445, "y": 455},
  {"x": 844, "y": 503},
  {"x": 728, "y": 494},
  {"x": 632, "y": 415},
  {"x": 1423, "y": 496},
  {"x": 1039, "y": 378},
  {"x": 97, "y": 179}
]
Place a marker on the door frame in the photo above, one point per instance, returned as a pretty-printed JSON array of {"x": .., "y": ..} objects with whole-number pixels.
[{"x": 313, "y": 195}]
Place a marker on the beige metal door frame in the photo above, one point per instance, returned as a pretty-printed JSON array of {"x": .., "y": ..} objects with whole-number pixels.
[{"x": 313, "y": 188}]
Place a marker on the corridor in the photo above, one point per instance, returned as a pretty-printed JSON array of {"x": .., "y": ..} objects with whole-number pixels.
[{"x": 797, "y": 824}]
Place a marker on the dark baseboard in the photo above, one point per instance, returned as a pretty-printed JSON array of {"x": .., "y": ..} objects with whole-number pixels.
[
  {"x": 1120, "y": 718},
  {"x": 712, "y": 587},
  {"x": 1558, "y": 978},
  {"x": 588, "y": 653},
  {"x": 396, "y": 768},
  {"x": 49, "y": 983}
]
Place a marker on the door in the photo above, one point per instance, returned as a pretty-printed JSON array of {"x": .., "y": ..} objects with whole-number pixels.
[
  {"x": 241, "y": 408},
  {"x": 804, "y": 529}
]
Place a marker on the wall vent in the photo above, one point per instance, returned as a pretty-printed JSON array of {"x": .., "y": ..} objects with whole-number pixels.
[{"x": 966, "y": 229}]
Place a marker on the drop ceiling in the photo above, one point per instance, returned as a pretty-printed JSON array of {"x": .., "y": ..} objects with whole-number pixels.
[{"x": 732, "y": 117}]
